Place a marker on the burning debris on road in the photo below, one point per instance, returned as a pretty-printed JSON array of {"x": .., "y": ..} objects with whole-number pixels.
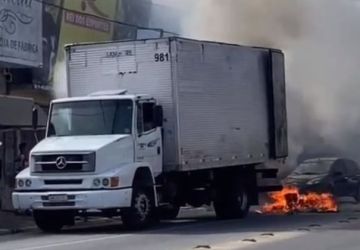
[{"x": 290, "y": 200}]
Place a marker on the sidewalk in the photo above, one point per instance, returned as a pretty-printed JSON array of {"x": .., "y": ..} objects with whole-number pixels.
[{"x": 11, "y": 223}]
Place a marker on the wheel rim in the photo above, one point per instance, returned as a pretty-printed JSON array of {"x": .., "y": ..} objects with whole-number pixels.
[{"x": 142, "y": 206}]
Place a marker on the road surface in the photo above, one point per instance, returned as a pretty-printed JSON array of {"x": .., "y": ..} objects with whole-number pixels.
[{"x": 258, "y": 232}]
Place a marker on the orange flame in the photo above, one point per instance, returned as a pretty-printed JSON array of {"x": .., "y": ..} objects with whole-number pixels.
[{"x": 289, "y": 200}]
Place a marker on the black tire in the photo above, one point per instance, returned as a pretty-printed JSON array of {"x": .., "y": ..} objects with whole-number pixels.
[
  {"x": 52, "y": 221},
  {"x": 357, "y": 194},
  {"x": 234, "y": 205},
  {"x": 168, "y": 212},
  {"x": 141, "y": 213}
]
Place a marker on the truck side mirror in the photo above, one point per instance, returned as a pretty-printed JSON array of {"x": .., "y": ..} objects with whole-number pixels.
[
  {"x": 35, "y": 118},
  {"x": 158, "y": 116}
]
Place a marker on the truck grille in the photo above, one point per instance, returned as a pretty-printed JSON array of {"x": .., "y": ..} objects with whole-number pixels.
[{"x": 62, "y": 163}]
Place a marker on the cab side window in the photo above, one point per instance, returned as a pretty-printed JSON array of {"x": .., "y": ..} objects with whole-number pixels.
[{"x": 145, "y": 119}]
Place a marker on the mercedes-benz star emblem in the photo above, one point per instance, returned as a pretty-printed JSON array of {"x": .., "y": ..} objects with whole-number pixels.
[{"x": 61, "y": 162}]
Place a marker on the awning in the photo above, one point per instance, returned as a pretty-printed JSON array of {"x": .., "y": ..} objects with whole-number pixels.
[{"x": 17, "y": 112}]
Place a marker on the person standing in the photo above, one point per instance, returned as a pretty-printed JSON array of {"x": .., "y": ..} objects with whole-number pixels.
[{"x": 21, "y": 161}]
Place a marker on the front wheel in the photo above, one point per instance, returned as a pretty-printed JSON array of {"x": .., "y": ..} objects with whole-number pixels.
[
  {"x": 233, "y": 205},
  {"x": 357, "y": 194},
  {"x": 141, "y": 212}
]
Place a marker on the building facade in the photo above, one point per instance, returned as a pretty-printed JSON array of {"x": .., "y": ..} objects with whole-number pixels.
[{"x": 32, "y": 63}]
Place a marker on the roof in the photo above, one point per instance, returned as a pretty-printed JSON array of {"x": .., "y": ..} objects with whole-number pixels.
[
  {"x": 22, "y": 117},
  {"x": 171, "y": 38},
  {"x": 101, "y": 97}
]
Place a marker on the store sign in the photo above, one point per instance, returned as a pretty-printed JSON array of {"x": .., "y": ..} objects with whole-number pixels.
[
  {"x": 21, "y": 32},
  {"x": 87, "y": 21}
]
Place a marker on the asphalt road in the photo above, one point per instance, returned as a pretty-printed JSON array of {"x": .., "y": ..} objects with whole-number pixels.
[{"x": 200, "y": 230}]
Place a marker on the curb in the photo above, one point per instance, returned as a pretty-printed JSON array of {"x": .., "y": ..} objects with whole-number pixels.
[
  {"x": 4, "y": 231},
  {"x": 10, "y": 231}
]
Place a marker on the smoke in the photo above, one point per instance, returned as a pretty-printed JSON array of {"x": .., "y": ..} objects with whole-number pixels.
[
  {"x": 60, "y": 83},
  {"x": 320, "y": 39}
]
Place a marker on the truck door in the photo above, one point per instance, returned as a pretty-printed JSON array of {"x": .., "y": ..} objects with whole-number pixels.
[
  {"x": 149, "y": 144},
  {"x": 277, "y": 106}
]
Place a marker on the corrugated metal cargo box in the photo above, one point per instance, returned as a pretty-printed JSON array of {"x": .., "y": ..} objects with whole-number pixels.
[{"x": 223, "y": 104}]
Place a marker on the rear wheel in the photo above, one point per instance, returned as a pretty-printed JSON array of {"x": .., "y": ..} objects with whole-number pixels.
[
  {"x": 53, "y": 221},
  {"x": 233, "y": 205},
  {"x": 357, "y": 194},
  {"x": 141, "y": 212}
]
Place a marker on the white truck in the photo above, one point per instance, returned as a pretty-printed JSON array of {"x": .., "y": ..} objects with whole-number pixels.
[{"x": 153, "y": 125}]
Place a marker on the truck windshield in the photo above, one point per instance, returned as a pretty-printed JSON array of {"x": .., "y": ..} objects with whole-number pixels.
[{"x": 99, "y": 117}]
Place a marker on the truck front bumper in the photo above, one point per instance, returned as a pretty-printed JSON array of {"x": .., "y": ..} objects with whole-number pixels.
[{"x": 75, "y": 200}]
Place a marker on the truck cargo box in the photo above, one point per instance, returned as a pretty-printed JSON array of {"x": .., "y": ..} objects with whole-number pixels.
[{"x": 224, "y": 104}]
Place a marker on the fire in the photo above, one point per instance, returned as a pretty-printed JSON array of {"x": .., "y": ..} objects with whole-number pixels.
[{"x": 289, "y": 200}]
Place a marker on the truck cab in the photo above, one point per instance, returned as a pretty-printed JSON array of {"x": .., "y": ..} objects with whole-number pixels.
[{"x": 95, "y": 148}]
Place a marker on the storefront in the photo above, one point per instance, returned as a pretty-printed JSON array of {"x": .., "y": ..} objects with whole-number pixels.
[
  {"x": 21, "y": 51},
  {"x": 16, "y": 135}
]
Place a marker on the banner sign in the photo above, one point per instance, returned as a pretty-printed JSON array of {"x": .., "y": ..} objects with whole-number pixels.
[{"x": 21, "y": 32}]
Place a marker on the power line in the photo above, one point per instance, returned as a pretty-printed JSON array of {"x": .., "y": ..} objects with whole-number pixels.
[{"x": 102, "y": 18}]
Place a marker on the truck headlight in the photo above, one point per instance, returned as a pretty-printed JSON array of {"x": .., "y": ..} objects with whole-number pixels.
[
  {"x": 97, "y": 182},
  {"x": 105, "y": 182},
  {"x": 28, "y": 183},
  {"x": 108, "y": 182},
  {"x": 20, "y": 183}
]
